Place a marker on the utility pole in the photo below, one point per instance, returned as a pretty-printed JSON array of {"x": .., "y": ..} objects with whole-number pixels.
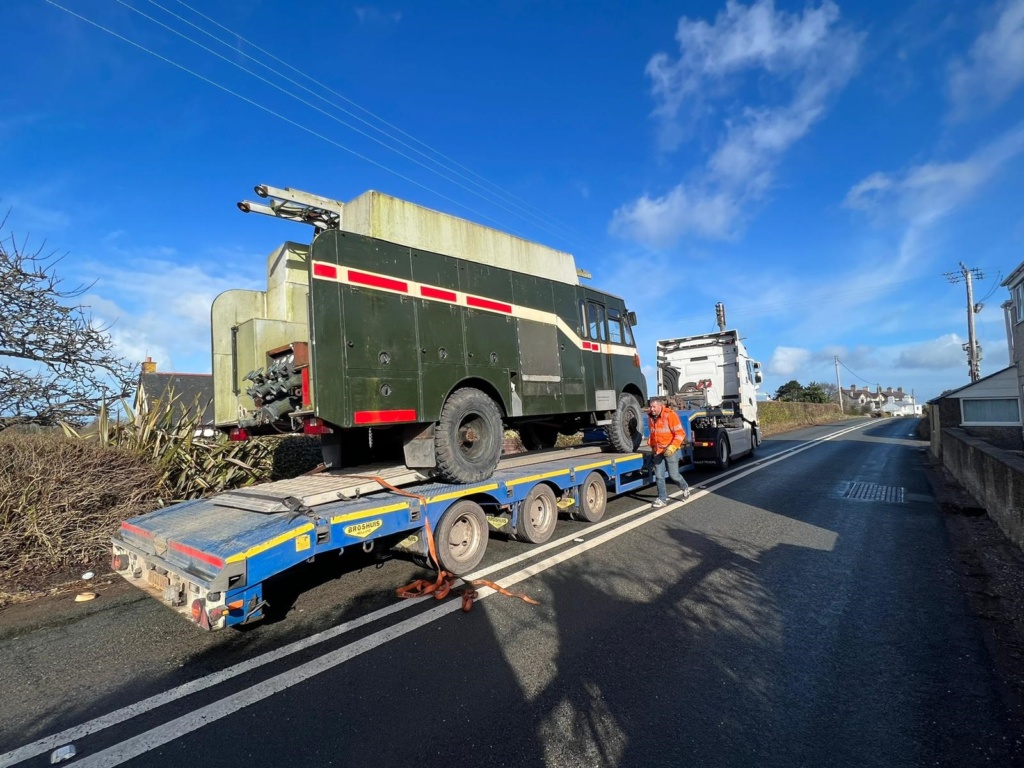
[
  {"x": 839, "y": 384},
  {"x": 971, "y": 347}
]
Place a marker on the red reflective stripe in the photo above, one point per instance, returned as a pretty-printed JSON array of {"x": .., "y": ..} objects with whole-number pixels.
[
  {"x": 136, "y": 530},
  {"x": 305, "y": 387},
  {"x": 495, "y": 306},
  {"x": 362, "y": 278},
  {"x": 384, "y": 417},
  {"x": 437, "y": 293},
  {"x": 325, "y": 270},
  {"x": 196, "y": 554}
]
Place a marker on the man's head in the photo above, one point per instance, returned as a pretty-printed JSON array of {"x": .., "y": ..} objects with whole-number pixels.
[{"x": 657, "y": 406}]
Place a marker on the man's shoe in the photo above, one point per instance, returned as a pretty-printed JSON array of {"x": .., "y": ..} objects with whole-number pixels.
[
  {"x": 659, "y": 503},
  {"x": 686, "y": 493}
]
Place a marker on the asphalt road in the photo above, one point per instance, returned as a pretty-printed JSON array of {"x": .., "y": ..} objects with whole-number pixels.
[{"x": 800, "y": 609}]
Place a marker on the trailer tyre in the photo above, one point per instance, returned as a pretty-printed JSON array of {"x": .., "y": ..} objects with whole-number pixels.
[
  {"x": 722, "y": 452},
  {"x": 593, "y": 498},
  {"x": 626, "y": 430},
  {"x": 468, "y": 437},
  {"x": 538, "y": 516},
  {"x": 461, "y": 537}
]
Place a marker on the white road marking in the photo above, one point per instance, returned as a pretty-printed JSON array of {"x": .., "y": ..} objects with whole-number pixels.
[{"x": 169, "y": 731}]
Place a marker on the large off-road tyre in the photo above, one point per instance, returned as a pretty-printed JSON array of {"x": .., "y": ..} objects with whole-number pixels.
[
  {"x": 468, "y": 437},
  {"x": 461, "y": 537},
  {"x": 722, "y": 453},
  {"x": 538, "y": 516},
  {"x": 538, "y": 437},
  {"x": 626, "y": 430},
  {"x": 593, "y": 498}
]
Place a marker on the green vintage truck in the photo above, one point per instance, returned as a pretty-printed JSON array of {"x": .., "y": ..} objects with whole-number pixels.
[{"x": 407, "y": 332}]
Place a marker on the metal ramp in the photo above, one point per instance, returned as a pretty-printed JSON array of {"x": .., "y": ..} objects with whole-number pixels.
[{"x": 354, "y": 482}]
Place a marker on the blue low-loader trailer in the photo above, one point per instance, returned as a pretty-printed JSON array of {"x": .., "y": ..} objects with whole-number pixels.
[{"x": 209, "y": 558}]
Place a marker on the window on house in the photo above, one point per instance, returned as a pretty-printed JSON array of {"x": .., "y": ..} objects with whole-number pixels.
[
  {"x": 1001, "y": 410},
  {"x": 1018, "y": 301}
]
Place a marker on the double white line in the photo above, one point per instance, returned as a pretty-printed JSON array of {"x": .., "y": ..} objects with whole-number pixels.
[{"x": 162, "y": 734}]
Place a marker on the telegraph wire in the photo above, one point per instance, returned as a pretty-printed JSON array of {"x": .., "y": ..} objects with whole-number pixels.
[
  {"x": 269, "y": 111},
  {"x": 510, "y": 196},
  {"x": 494, "y": 199},
  {"x": 321, "y": 111}
]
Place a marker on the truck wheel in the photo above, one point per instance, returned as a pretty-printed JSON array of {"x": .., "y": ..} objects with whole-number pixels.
[
  {"x": 468, "y": 437},
  {"x": 593, "y": 498},
  {"x": 461, "y": 537},
  {"x": 626, "y": 430},
  {"x": 722, "y": 453},
  {"x": 538, "y": 515},
  {"x": 537, "y": 437},
  {"x": 754, "y": 442}
]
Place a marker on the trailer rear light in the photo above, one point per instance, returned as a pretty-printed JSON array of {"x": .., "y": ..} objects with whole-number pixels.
[
  {"x": 238, "y": 434},
  {"x": 197, "y": 611},
  {"x": 216, "y": 613},
  {"x": 315, "y": 426},
  {"x": 119, "y": 562}
]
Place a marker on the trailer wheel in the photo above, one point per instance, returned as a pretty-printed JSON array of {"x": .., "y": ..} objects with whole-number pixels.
[
  {"x": 626, "y": 430},
  {"x": 461, "y": 537},
  {"x": 593, "y": 498},
  {"x": 722, "y": 453},
  {"x": 468, "y": 437},
  {"x": 538, "y": 516}
]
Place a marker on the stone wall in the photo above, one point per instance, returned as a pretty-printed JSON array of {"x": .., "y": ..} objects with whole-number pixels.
[{"x": 992, "y": 476}]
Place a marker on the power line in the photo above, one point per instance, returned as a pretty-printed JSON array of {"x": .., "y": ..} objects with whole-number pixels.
[
  {"x": 327, "y": 88},
  {"x": 269, "y": 111},
  {"x": 483, "y": 192}
]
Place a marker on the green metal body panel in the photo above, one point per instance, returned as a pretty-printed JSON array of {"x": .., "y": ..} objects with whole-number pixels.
[{"x": 393, "y": 350}]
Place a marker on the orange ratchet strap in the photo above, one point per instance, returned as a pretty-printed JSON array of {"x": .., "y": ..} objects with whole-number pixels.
[{"x": 441, "y": 586}]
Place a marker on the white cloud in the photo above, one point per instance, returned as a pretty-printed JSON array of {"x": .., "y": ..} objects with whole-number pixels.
[
  {"x": 161, "y": 308},
  {"x": 807, "y": 57},
  {"x": 925, "y": 194},
  {"x": 788, "y": 361},
  {"x": 943, "y": 353},
  {"x": 994, "y": 67}
]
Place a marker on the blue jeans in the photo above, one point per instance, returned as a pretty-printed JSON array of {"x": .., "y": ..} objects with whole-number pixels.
[{"x": 667, "y": 466}]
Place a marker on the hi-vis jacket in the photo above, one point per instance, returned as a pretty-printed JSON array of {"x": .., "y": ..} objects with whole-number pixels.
[{"x": 666, "y": 430}]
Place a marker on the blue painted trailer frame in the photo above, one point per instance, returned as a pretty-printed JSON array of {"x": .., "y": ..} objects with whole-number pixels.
[{"x": 209, "y": 561}]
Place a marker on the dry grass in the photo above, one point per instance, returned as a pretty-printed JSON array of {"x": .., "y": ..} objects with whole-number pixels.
[{"x": 60, "y": 500}]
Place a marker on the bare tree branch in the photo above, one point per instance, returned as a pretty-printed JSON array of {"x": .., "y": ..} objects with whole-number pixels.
[{"x": 56, "y": 362}]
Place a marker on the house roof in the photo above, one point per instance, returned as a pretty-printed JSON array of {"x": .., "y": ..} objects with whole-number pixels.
[
  {"x": 984, "y": 380},
  {"x": 188, "y": 389}
]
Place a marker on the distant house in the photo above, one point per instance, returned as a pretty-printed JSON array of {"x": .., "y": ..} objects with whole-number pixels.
[
  {"x": 895, "y": 402},
  {"x": 192, "y": 394}
]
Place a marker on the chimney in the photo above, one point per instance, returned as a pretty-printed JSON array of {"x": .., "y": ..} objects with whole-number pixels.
[{"x": 149, "y": 366}]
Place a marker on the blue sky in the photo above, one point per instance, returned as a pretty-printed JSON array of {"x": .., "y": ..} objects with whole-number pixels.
[{"x": 816, "y": 166}]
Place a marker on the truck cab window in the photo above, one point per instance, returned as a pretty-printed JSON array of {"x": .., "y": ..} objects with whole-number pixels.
[
  {"x": 615, "y": 335},
  {"x": 583, "y": 319},
  {"x": 597, "y": 329}
]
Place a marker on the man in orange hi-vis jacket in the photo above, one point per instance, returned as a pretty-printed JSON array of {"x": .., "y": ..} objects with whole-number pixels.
[{"x": 667, "y": 437}]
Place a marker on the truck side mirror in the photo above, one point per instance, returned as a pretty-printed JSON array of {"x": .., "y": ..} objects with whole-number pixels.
[{"x": 631, "y": 318}]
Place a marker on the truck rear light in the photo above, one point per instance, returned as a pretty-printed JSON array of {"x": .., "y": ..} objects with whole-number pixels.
[
  {"x": 306, "y": 401},
  {"x": 315, "y": 426},
  {"x": 119, "y": 562},
  {"x": 238, "y": 434},
  {"x": 198, "y": 610},
  {"x": 707, "y": 444},
  {"x": 636, "y": 359}
]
